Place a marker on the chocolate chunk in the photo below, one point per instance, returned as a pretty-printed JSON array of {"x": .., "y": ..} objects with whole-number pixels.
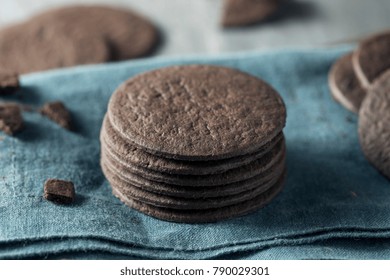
[
  {"x": 9, "y": 82},
  {"x": 11, "y": 120},
  {"x": 59, "y": 191},
  {"x": 57, "y": 112}
]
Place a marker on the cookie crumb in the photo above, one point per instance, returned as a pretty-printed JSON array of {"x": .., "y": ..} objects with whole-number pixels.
[
  {"x": 59, "y": 191},
  {"x": 9, "y": 82},
  {"x": 11, "y": 120},
  {"x": 57, "y": 112}
]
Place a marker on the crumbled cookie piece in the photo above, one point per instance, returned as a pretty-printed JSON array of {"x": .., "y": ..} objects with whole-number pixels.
[
  {"x": 57, "y": 112},
  {"x": 11, "y": 120},
  {"x": 59, "y": 191},
  {"x": 9, "y": 82}
]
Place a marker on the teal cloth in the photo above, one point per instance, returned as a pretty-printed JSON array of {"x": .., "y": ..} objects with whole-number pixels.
[{"x": 334, "y": 204}]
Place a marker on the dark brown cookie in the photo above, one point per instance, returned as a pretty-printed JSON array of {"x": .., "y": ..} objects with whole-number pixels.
[
  {"x": 11, "y": 120},
  {"x": 59, "y": 191},
  {"x": 128, "y": 34},
  {"x": 207, "y": 215},
  {"x": 57, "y": 112},
  {"x": 40, "y": 44},
  {"x": 231, "y": 176},
  {"x": 344, "y": 85},
  {"x": 137, "y": 157},
  {"x": 372, "y": 58},
  {"x": 174, "y": 202},
  {"x": 197, "y": 112},
  {"x": 9, "y": 82},
  {"x": 374, "y": 120},
  {"x": 196, "y": 191},
  {"x": 247, "y": 12}
]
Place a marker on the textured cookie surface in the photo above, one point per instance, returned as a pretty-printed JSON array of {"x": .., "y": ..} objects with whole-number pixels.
[
  {"x": 137, "y": 157},
  {"x": 128, "y": 34},
  {"x": 374, "y": 120},
  {"x": 42, "y": 44},
  {"x": 246, "y": 12},
  {"x": 197, "y": 112},
  {"x": 240, "y": 173},
  {"x": 174, "y": 202},
  {"x": 372, "y": 58},
  {"x": 344, "y": 85},
  {"x": 207, "y": 215},
  {"x": 195, "y": 191}
]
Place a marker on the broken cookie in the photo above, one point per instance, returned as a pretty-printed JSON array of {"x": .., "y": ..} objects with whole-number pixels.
[
  {"x": 9, "y": 82},
  {"x": 59, "y": 191},
  {"x": 57, "y": 112},
  {"x": 11, "y": 120}
]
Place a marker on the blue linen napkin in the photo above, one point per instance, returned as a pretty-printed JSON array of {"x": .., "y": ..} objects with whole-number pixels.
[{"x": 334, "y": 204}]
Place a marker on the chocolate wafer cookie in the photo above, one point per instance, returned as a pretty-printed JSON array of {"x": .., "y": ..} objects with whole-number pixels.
[
  {"x": 196, "y": 191},
  {"x": 372, "y": 58},
  {"x": 240, "y": 173},
  {"x": 128, "y": 34},
  {"x": 207, "y": 215},
  {"x": 135, "y": 156},
  {"x": 374, "y": 119},
  {"x": 174, "y": 202},
  {"x": 41, "y": 45},
  {"x": 344, "y": 85},
  {"x": 247, "y": 12},
  {"x": 197, "y": 112}
]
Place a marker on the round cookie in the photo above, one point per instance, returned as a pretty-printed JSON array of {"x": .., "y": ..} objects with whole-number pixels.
[
  {"x": 173, "y": 202},
  {"x": 40, "y": 45},
  {"x": 234, "y": 175},
  {"x": 344, "y": 85},
  {"x": 207, "y": 215},
  {"x": 137, "y": 157},
  {"x": 128, "y": 34},
  {"x": 372, "y": 58},
  {"x": 197, "y": 192},
  {"x": 197, "y": 112},
  {"x": 374, "y": 129},
  {"x": 247, "y": 12}
]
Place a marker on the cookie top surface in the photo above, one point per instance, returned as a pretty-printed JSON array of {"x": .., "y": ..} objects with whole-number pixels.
[
  {"x": 44, "y": 44},
  {"x": 374, "y": 119},
  {"x": 128, "y": 34},
  {"x": 344, "y": 85},
  {"x": 197, "y": 112},
  {"x": 372, "y": 58},
  {"x": 246, "y": 12}
]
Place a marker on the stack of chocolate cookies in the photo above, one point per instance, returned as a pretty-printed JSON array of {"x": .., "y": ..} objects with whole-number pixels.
[
  {"x": 360, "y": 81},
  {"x": 194, "y": 143}
]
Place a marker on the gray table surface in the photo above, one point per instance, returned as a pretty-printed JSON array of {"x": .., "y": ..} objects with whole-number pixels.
[{"x": 192, "y": 26}]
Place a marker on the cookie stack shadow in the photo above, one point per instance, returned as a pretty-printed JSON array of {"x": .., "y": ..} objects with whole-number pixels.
[{"x": 155, "y": 166}]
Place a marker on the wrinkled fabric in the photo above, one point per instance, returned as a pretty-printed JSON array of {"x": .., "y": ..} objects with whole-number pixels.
[{"x": 334, "y": 203}]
